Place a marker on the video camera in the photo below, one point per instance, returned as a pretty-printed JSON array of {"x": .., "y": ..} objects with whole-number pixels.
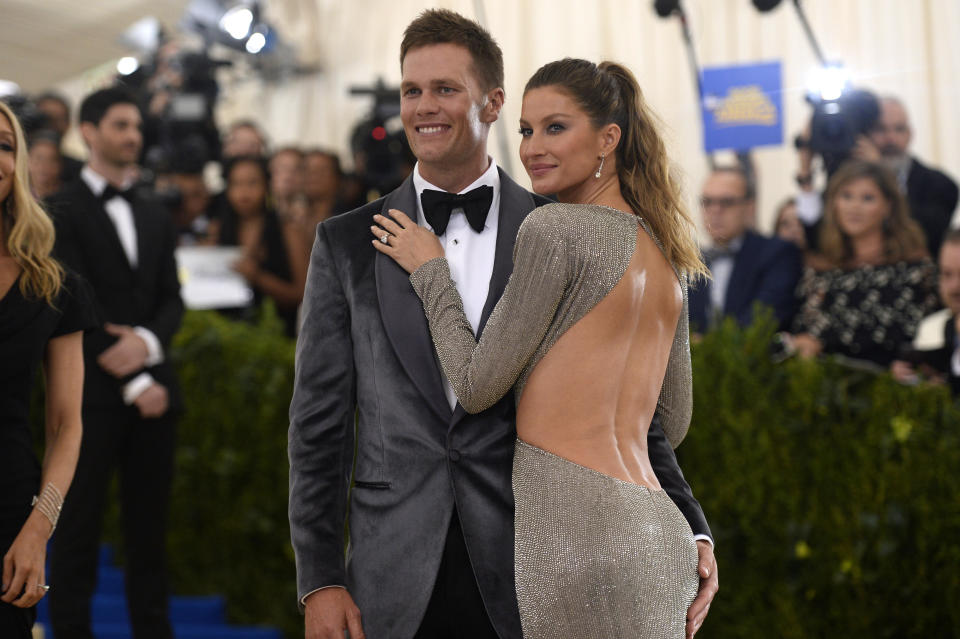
[{"x": 841, "y": 114}]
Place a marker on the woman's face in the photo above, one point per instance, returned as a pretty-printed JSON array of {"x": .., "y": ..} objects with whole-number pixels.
[
  {"x": 8, "y": 156},
  {"x": 286, "y": 174},
  {"x": 790, "y": 228},
  {"x": 860, "y": 207},
  {"x": 44, "y": 164},
  {"x": 560, "y": 148},
  {"x": 246, "y": 188}
]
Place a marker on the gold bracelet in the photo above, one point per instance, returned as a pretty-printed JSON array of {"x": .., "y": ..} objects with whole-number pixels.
[{"x": 49, "y": 503}]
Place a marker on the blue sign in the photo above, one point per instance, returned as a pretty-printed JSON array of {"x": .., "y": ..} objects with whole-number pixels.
[{"x": 742, "y": 106}]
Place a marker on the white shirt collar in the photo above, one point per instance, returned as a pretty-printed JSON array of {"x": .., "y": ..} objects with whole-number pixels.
[
  {"x": 490, "y": 177},
  {"x": 95, "y": 181}
]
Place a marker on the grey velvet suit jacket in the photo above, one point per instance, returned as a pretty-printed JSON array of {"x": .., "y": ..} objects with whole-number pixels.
[{"x": 367, "y": 380}]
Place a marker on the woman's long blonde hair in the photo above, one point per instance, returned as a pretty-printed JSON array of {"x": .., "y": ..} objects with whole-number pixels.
[
  {"x": 609, "y": 93},
  {"x": 27, "y": 228}
]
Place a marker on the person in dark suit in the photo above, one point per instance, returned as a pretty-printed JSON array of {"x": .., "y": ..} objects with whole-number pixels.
[
  {"x": 428, "y": 489},
  {"x": 933, "y": 354},
  {"x": 747, "y": 267},
  {"x": 123, "y": 245},
  {"x": 931, "y": 194},
  {"x": 57, "y": 110}
]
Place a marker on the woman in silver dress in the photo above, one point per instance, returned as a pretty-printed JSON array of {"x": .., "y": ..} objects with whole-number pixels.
[{"x": 591, "y": 334}]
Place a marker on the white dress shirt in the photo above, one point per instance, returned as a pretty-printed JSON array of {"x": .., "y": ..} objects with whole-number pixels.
[
  {"x": 470, "y": 254},
  {"x": 121, "y": 214},
  {"x": 721, "y": 267}
]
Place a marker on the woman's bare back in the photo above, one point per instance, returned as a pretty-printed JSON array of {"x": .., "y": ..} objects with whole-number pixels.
[
  {"x": 592, "y": 396},
  {"x": 591, "y": 333}
]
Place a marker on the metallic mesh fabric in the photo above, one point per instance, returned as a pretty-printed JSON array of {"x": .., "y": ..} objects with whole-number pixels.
[
  {"x": 597, "y": 557},
  {"x": 567, "y": 258}
]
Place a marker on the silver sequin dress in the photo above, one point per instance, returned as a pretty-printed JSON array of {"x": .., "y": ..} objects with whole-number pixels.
[{"x": 595, "y": 556}]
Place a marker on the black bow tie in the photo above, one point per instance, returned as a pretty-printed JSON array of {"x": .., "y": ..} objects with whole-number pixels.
[
  {"x": 719, "y": 252},
  {"x": 437, "y": 206},
  {"x": 111, "y": 192}
]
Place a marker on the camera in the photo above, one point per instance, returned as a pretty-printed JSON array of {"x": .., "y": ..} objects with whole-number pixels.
[{"x": 841, "y": 114}]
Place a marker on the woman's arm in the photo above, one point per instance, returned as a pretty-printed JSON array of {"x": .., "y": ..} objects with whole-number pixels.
[
  {"x": 675, "y": 403},
  {"x": 483, "y": 372},
  {"x": 23, "y": 564},
  {"x": 285, "y": 294}
]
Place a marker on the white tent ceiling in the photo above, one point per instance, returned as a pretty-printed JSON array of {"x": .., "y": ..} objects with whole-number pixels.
[{"x": 44, "y": 42}]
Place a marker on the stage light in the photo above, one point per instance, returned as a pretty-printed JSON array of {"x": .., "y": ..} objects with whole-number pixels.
[
  {"x": 256, "y": 42},
  {"x": 127, "y": 65},
  {"x": 237, "y": 22},
  {"x": 829, "y": 82},
  {"x": 9, "y": 87}
]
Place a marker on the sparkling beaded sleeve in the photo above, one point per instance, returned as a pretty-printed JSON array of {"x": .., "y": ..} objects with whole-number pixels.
[
  {"x": 483, "y": 372},
  {"x": 567, "y": 258},
  {"x": 675, "y": 404}
]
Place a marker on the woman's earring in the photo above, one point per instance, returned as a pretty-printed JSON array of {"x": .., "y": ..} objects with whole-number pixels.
[{"x": 597, "y": 174}]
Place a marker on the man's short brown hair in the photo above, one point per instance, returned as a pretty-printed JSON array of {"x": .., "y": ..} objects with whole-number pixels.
[{"x": 441, "y": 26}]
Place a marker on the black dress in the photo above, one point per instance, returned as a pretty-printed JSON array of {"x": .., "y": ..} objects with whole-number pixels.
[
  {"x": 26, "y": 326},
  {"x": 274, "y": 258},
  {"x": 867, "y": 312}
]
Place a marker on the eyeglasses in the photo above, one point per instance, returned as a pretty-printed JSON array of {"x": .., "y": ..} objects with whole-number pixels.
[{"x": 722, "y": 202}]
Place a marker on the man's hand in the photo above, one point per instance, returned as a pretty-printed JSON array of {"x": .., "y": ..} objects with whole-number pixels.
[
  {"x": 153, "y": 402},
  {"x": 807, "y": 346},
  {"x": 709, "y": 584},
  {"x": 866, "y": 150},
  {"x": 329, "y": 612},
  {"x": 127, "y": 355},
  {"x": 904, "y": 373}
]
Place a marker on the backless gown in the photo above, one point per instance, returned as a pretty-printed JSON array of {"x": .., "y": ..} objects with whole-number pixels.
[{"x": 595, "y": 556}]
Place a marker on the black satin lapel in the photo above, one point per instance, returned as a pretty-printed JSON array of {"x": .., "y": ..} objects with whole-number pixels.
[
  {"x": 402, "y": 314},
  {"x": 515, "y": 203},
  {"x": 743, "y": 271}
]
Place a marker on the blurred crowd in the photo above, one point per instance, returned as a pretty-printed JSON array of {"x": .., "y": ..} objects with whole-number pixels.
[
  {"x": 852, "y": 269},
  {"x": 268, "y": 203},
  {"x": 865, "y": 269}
]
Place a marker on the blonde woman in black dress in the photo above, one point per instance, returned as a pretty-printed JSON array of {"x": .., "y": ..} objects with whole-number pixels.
[
  {"x": 42, "y": 315},
  {"x": 591, "y": 333}
]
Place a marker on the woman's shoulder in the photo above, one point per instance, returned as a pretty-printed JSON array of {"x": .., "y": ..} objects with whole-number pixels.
[
  {"x": 571, "y": 219},
  {"x": 75, "y": 303}
]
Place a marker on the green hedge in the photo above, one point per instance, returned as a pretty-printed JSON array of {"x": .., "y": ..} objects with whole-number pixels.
[
  {"x": 228, "y": 513},
  {"x": 833, "y": 494}
]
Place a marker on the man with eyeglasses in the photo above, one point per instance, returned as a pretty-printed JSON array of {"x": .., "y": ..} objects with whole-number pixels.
[{"x": 747, "y": 267}]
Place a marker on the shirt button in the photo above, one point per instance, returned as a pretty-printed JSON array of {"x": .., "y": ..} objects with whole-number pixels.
[
  {"x": 456, "y": 241},
  {"x": 454, "y": 455}
]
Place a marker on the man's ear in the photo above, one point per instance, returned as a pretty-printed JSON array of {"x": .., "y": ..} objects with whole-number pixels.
[
  {"x": 88, "y": 130},
  {"x": 494, "y": 103}
]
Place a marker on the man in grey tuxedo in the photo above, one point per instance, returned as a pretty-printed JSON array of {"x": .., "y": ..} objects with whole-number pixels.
[{"x": 375, "y": 430}]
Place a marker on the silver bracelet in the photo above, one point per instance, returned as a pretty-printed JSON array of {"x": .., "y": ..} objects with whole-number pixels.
[{"x": 49, "y": 503}]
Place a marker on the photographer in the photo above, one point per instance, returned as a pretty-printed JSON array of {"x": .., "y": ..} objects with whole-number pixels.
[
  {"x": 57, "y": 111},
  {"x": 178, "y": 94},
  {"x": 931, "y": 195},
  {"x": 183, "y": 192}
]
